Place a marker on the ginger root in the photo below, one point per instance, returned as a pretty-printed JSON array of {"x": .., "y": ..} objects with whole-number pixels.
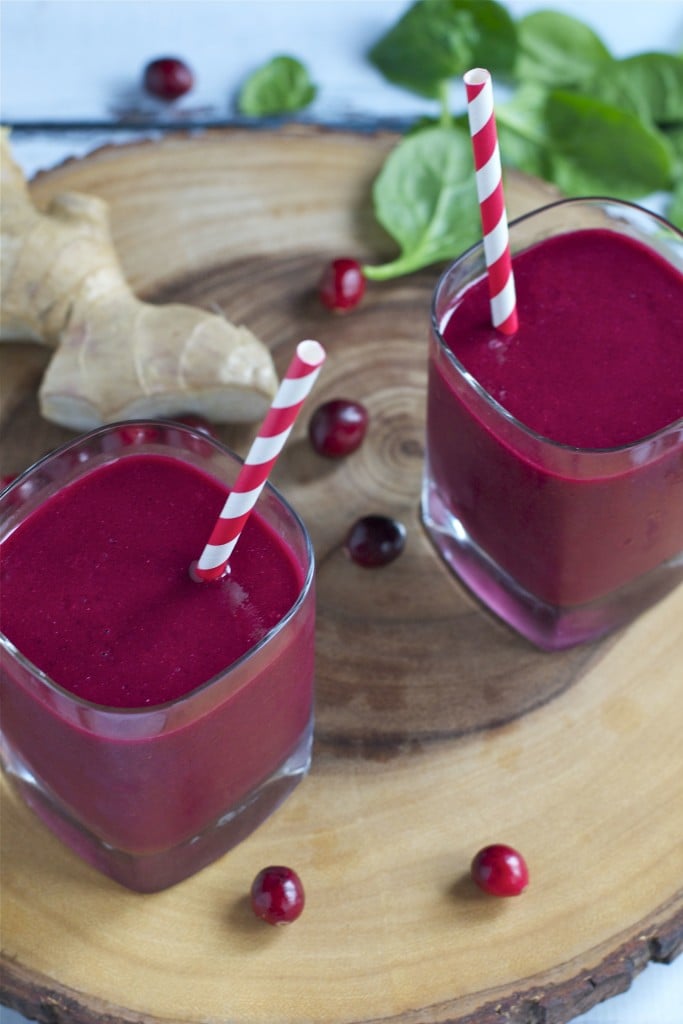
[{"x": 115, "y": 356}]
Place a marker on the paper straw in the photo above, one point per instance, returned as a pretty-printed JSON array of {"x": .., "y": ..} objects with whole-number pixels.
[
  {"x": 489, "y": 177},
  {"x": 267, "y": 445}
]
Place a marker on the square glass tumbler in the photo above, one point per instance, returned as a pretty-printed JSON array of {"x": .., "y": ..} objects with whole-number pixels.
[
  {"x": 562, "y": 543},
  {"x": 150, "y": 795}
]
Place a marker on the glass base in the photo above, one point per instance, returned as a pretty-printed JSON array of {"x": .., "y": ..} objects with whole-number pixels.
[
  {"x": 549, "y": 627},
  {"x": 154, "y": 872}
]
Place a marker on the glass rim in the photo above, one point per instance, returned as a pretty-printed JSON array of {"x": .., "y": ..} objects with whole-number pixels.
[
  {"x": 192, "y": 695},
  {"x": 473, "y": 383}
]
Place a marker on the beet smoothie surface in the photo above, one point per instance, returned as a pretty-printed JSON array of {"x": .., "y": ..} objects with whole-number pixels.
[
  {"x": 151, "y": 720},
  {"x": 105, "y": 563},
  {"x": 554, "y": 467}
]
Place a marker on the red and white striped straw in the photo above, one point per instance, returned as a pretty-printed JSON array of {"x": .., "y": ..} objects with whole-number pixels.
[
  {"x": 489, "y": 177},
  {"x": 267, "y": 445}
]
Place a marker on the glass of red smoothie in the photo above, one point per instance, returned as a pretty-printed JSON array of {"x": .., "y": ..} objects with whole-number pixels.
[
  {"x": 553, "y": 483},
  {"x": 150, "y": 720}
]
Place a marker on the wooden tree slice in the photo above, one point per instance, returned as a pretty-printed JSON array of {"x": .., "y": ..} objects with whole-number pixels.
[{"x": 438, "y": 731}]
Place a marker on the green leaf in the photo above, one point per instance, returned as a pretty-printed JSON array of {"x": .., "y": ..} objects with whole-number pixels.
[
  {"x": 599, "y": 149},
  {"x": 281, "y": 86},
  {"x": 425, "y": 198},
  {"x": 674, "y": 137},
  {"x": 436, "y": 40},
  {"x": 583, "y": 145},
  {"x": 557, "y": 51},
  {"x": 523, "y": 131},
  {"x": 648, "y": 84},
  {"x": 581, "y": 119},
  {"x": 674, "y": 211}
]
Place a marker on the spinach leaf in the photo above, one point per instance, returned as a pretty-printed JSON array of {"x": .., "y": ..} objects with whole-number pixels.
[
  {"x": 438, "y": 39},
  {"x": 597, "y": 148},
  {"x": 648, "y": 84},
  {"x": 281, "y": 86},
  {"x": 425, "y": 198},
  {"x": 674, "y": 211},
  {"x": 523, "y": 132},
  {"x": 674, "y": 136},
  {"x": 578, "y": 118},
  {"x": 557, "y": 50},
  {"x": 583, "y": 145}
]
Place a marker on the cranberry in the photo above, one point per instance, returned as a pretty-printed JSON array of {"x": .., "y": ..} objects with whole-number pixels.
[
  {"x": 197, "y": 423},
  {"x": 134, "y": 433},
  {"x": 342, "y": 285},
  {"x": 277, "y": 895},
  {"x": 338, "y": 427},
  {"x": 168, "y": 78},
  {"x": 5, "y": 481},
  {"x": 374, "y": 541},
  {"x": 500, "y": 870}
]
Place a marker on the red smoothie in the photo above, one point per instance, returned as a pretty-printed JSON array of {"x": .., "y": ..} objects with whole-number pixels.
[
  {"x": 557, "y": 451},
  {"x": 167, "y": 702},
  {"x": 598, "y": 359},
  {"x": 105, "y": 563}
]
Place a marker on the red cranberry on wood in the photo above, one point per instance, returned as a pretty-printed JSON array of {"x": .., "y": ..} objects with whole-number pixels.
[
  {"x": 277, "y": 895},
  {"x": 500, "y": 870},
  {"x": 338, "y": 427},
  {"x": 134, "y": 433},
  {"x": 375, "y": 540},
  {"x": 198, "y": 423},
  {"x": 342, "y": 285}
]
